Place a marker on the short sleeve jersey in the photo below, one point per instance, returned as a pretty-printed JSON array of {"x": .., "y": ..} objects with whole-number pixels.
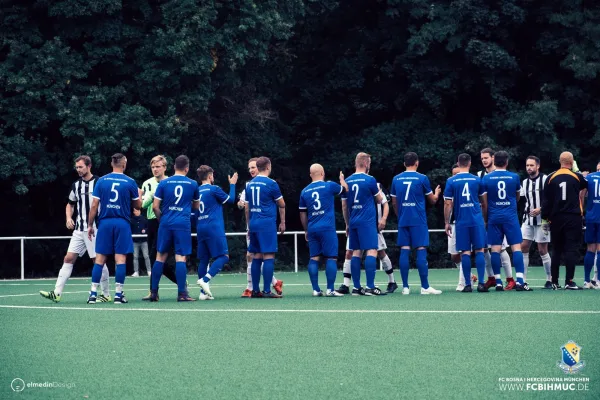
[
  {"x": 410, "y": 188},
  {"x": 501, "y": 187},
  {"x": 317, "y": 200},
  {"x": 362, "y": 189},
  {"x": 176, "y": 193},
  {"x": 593, "y": 200},
  {"x": 115, "y": 191},
  {"x": 464, "y": 190},
  {"x": 262, "y": 194},
  {"x": 210, "y": 213}
]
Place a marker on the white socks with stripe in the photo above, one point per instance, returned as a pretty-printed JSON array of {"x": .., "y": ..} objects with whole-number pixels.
[{"x": 63, "y": 275}]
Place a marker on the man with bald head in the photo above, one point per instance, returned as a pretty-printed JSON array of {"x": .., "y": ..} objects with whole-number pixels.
[
  {"x": 317, "y": 214},
  {"x": 561, "y": 208}
]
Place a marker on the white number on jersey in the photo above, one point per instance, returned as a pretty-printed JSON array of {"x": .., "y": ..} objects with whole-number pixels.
[
  {"x": 355, "y": 190},
  {"x": 501, "y": 190},
  {"x": 114, "y": 190},
  {"x": 317, "y": 204},
  {"x": 201, "y": 207},
  {"x": 466, "y": 193},
  {"x": 563, "y": 186},
  {"x": 178, "y": 193},
  {"x": 407, "y": 189},
  {"x": 255, "y": 195}
]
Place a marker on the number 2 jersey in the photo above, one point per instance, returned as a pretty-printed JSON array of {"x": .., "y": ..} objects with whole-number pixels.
[
  {"x": 176, "y": 194},
  {"x": 501, "y": 187},
  {"x": 464, "y": 190},
  {"x": 360, "y": 199},
  {"x": 317, "y": 199}
]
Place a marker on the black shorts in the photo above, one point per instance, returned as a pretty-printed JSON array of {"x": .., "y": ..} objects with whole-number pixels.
[{"x": 565, "y": 232}]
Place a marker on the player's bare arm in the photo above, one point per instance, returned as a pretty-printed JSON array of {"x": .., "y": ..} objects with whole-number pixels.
[
  {"x": 384, "y": 214},
  {"x": 343, "y": 181},
  {"x": 156, "y": 209},
  {"x": 379, "y": 198},
  {"x": 92, "y": 216},
  {"x": 304, "y": 221},
  {"x": 484, "y": 206},
  {"x": 395, "y": 205},
  {"x": 448, "y": 204},
  {"x": 345, "y": 214},
  {"x": 69, "y": 211},
  {"x": 281, "y": 205},
  {"x": 233, "y": 178},
  {"x": 433, "y": 198}
]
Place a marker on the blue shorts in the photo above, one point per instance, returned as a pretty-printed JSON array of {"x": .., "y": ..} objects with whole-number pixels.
[
  {"x": 323, "y": 243},
  {"x": 512, "y": 231},
  {"x": 470, "y": 238},
  {"x": 263, "y": 242},
  {"x": 363, "y": 237},
  {"x": 212, "y": 247},
  {"x": 413, "y": 236},
  {"x": 114, "y": 237},
  {"x": 592, "y": 232},
  {"x": 178, "y": 239}
]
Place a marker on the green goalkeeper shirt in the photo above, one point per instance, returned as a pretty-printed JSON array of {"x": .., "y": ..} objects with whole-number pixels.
[{"x": 149, "y": 187}]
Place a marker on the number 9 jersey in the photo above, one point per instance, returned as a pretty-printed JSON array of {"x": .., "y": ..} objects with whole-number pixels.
[{"x": 176, "y": 194}]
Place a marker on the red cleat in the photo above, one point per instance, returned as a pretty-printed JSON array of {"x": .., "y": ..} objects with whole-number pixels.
[
  {"x": 278, "y": 286},
  {"x": 510, "y": 284},
  {"x": 247, "y": 293},
  {"x": 490, "y": 283},
  {"x": 474, "y": 277}
]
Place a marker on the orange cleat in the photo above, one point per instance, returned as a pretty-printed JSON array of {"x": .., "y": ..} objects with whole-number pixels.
[
  {"x": 278, "y": 286},
  {"x": 247, "y": 293},
  {"x": 474, "y": 277},
  {"x": 510, "y": 284},
  {"x": 490, "y": 283}
]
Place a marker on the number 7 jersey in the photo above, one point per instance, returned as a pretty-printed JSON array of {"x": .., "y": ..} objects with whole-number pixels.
[
  {"x": 464, "y": 190},
  {"x": 176, "y": 194}
]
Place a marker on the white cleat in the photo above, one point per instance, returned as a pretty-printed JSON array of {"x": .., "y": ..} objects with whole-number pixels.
[
  {"x": 430, "y": 290},
  {"x": 333, "y": 293},
  {"x": 317, "y": 294},
  {"x": 205, "y": 287},
  {"x": 588, "y": 285},
  {"x": 405, "y": 290},
  {"x": 135, "y": 275},
  {"x": 204, "y": 296},
  {"x": 149, "y": 273},
  {"x": 460, "y": 287},
  {"x": 595, "y": 285}
]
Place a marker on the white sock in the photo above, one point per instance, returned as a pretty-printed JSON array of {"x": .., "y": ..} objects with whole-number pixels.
[
  {"x": 526, "y": 263},
  {"x": 505, "y": 258},
  {"x": 94, "y": 287},
  {"x": 274, "y": 280},
  {"x": 346, "y": 270},
  {"x": 118, "y": 289},
  {"x": 63, "y": 275},
  {"x": 488, "y": 264},
  {"x": 547, "y": 262},
  {"x": 461, "y": 276},
  {"x": 104, "y": 281},
  {"x": 249, "y": 276},
  {"x": 387, "y": 267}
]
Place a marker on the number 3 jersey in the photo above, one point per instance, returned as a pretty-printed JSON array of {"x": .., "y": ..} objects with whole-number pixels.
[
  {"x": 501, "y": 187},
  {"x": 464, "y": 190},
  {"x": 115, "y": 192},
  {"x": 176, "y": 194},
  {"x": 317, "y": 199}
]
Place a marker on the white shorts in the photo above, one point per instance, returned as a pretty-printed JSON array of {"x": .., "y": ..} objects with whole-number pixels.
[
  {"x": 452, "y": 241},
  {"x": 381, "y": 244},
  {"x": 535, "y": 233},
  {"x": 80, "y": 244}
]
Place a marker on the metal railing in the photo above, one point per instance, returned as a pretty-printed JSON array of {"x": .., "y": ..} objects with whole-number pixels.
[{"x": 23, "y": 239}]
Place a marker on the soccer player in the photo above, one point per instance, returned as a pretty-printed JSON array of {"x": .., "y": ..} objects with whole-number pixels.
[
  {"x": 210, "y": 228},
  {"x": 317, "y": 214},
  {"x": 262, "y": 199},
  {"x": 532, "y": 190},
  {"x": 172, "y": 206},
  {"x": 409, "y": 190},
  {"x": 502, "y": 190},
  {"x": 80, "y": 196},
  {"x": 114, "y": 194},
  {"x": 361, "y": 223},
  {"x": 561, "y": 207},
  {"x": 277, "y": 284},
  {"x": 462, "y": 196},
  {"x": 592, "y": 231},
  {"x": 487, "y": 160}
]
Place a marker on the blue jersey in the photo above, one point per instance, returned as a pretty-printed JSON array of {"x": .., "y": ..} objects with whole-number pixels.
[
  {"x": 362, "y": 189},
  {"x": 210, "y": 214},
  {"x": 115, "y": 192},
  {"x": 464, "y": 190},
  {"x": 593, "y": 200},
  {"x": 176, "y": 194},
  {"x": 410, "y": 188},
  {"x": 501, "y": 187},
  {"x": 317, "y": 199},
  {"x": 262, "y": 194}
]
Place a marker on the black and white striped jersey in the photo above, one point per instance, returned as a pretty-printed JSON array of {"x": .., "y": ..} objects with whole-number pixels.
[
  {"x": 532, "y": 190},
  {"x": 386, "y": 197},
  {"x": 81, "y": 197}
]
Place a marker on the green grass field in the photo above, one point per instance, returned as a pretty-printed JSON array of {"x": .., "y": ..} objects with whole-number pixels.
[{"x": 456, "y": 345}]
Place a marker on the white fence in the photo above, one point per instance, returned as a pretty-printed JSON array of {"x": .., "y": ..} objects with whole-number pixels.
[{"x": 23, "y": 239}]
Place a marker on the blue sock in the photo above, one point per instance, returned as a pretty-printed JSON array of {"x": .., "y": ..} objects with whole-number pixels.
[
  {"x": 255, "y": 271},
  {"x": 355, "y": 271},
  {"x": 588, "y": 265},
  {"x": 480, "y": 264},
  {"x": 422, "y": 267},
  {"x": 496, "y": 265},
  {"x": 331, "y": 273},
  {"x": 370, "y": 270},
  {"x": 215, "y": 267},
  {"x": 268, "y": 271},
  {"x": 519, "y": 266},
  {"x": 313, "y": 274},
  {"x": 96, "y": 276},
  {"x": 466, "y": 266},
  {"x": 202, "y": 266},
  {"x": 120, "y": 273},
  {"x": 181, "y": 274},
  {"x": 157, "y": 271},
  {"x": 404, "y": 266}
]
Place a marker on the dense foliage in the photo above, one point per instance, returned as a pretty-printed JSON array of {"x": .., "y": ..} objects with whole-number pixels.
[{"x": 300, "y": 81}]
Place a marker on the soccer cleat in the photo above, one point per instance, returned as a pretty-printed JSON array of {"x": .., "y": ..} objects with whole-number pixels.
[
  {"x": 556, "y": 286},
  {"x": 490, "y": 283},
  {"x": 120, "y": 299},
  {"x": 333, "y": 293},
  {"x": 468, "y": 289},
  {"x": 548, "y": 285},
  {"x": 358, "y": 292},
  {"x": 247, "y": 293},
  {"x": 499, "y": 288},
  {"x": 374, "y": 292},
  {"x": 135, "y": 275},
  {"x": 104, "y": 299},
  {"x": 278, "y": 286},
  {"x": 571, "y": 286},
  {"x": 317, "y": 294},
  {"x": 91, "y": 299},
  {"x": 204, "y": 296},
  {"x": 595, "y": 285},
  {"x": 256, "y": 295},
  {"x": 50, "y": 295},
  {"x": 343, "y": 289},
  {"x": 405, "y": 291},
  {"x": 481, "y": 288},
  {"x": 184, "y": 297},
  {"x": 460, "y": 287},
  {"x": 430, "y": 290},
  {"x": 271, "y": 295},
  {"x": 391, "y": 287},
  {"x": 149, "y": 297},
  {"x": 523, "y": 288},
  {"x": 510, "y": 284},
  {"x": 588, "y": 285},
  {"x": 205, "y": 287}
]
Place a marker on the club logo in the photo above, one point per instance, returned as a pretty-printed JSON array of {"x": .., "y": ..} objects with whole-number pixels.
[
  {"x": 17, "y": 385},
  {"x": 571, "y": 358}
]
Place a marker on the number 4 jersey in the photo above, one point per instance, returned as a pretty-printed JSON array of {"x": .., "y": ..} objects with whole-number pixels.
[
  {"x": 176, "y": 194},
  {"x": 464, "y": 189}
]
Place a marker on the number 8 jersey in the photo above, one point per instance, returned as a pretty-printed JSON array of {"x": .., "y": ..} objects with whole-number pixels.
[
  {"x": 464, "y": 190},
  {"x": 176, "y": 194},
  {"x": 501, "y": 187}
]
